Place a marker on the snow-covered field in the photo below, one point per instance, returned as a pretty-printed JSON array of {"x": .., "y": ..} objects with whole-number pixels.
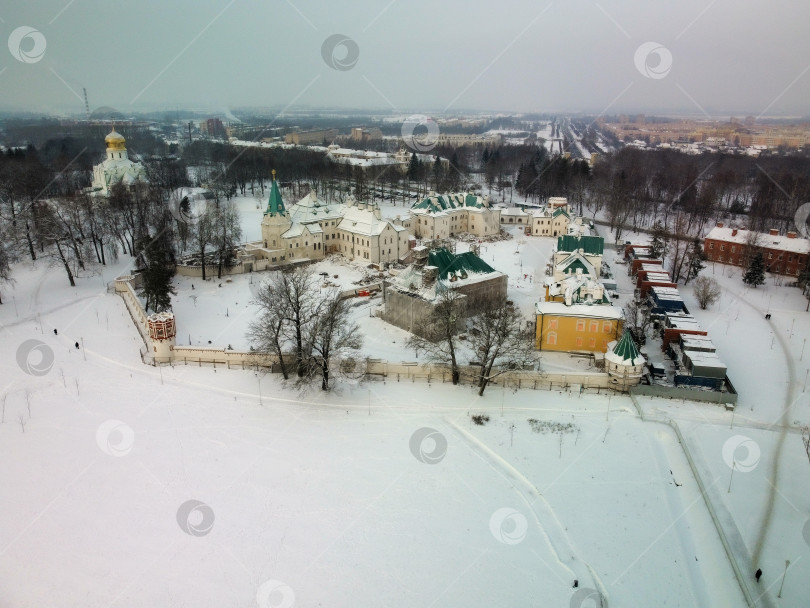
[{"x": 344, "y": 499}]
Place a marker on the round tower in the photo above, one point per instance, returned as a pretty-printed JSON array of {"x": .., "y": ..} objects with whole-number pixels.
[
  {"x": 623, "y": 363},
  {"x": 162, "y": 331},
  {"x": 276, "y": 220}
]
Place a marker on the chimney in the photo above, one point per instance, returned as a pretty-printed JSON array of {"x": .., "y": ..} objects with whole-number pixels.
[
  {"x": 773, "y": 232},
  {"x": 734, "y": 232},
  {"x": 429, "y": 275},
  {"x": 791, "y": 235},
  {"x": 719, "y": 224}
]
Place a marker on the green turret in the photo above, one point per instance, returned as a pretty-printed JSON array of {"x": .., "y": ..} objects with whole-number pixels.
[{"x": 275, "y": 206}]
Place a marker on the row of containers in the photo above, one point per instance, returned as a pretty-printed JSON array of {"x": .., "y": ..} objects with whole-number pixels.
[{"x": 683, "y": 340}]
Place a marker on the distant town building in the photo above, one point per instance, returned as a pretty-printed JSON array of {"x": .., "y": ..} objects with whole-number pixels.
[
  {"x": 213, "y": 127},
  {"x": 302, "y": 138},
  {"x": 364, "y": 159},
  {"x": 361, "y": 135},
  {"x": 463, "y": 139},
  {"x": 440, "y": 216},
  {"x": 116, "y": 168},
  {"x": 785, "y": 255}
]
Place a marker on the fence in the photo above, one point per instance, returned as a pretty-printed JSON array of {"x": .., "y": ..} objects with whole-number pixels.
[
  {"x": 727, "y": 397},
  {"x": 125, "y": 287},
  {"x": 399, "y": 372},
  {"x": 369, "y": 368}
]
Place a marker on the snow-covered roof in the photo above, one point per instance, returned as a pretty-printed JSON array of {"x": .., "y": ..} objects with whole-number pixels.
[
  {"x": 299, "y": 229},
  {"x": 514, "y": 211},
  {"x": 658, "y": 276},
  {"x": 438, "y": 203},
  {"x": 574, "y": 261},
  {"x": 598, "y": 311},
  {"x": 452, "y": 271},
  {"x": 362, "y": 221},
  {"x": 705, "y": 360},
  {"x": 771, "y": 241},
  {"x": 666, "y": 293},
  {"x": 311, "y": 209},
  {"x": 682, "y": 322},
  {"x": 697, "y": 342}
]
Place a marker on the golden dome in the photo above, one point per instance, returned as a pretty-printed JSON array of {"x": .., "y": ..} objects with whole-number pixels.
[{"x": 115, "y": 140}]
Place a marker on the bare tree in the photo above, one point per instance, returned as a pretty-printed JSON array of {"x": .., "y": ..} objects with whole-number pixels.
[
  {"x": 707, "y": 291},
  {"x": 291, "y": 303},
  {"x": 637, "y": 318},
  {"x": 333, "y": 335},
  {"x": 5, "y": 261},
  {"x": 203, "y": 235},
  {"x": 436, "y": 335},
  {"x": 226, "y": 233},
  {"x": 266, "y": 333},
  {"x": 299, "y": 295},
  {"x": 498, "y": 338}
]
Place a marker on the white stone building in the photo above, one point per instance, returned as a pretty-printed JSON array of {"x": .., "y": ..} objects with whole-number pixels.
[
  {"x": 312, "y": 228},
  {"x": 554, "y": 219},
  {"x": 440, "y": 216}
]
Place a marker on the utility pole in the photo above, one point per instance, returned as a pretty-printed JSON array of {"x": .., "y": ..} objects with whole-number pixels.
[
  {"x": 787, "y": 564},
  {"x": 733, "y": 464}
]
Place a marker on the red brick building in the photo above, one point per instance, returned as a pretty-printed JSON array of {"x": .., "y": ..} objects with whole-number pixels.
[{"x": 785, "y": 255}]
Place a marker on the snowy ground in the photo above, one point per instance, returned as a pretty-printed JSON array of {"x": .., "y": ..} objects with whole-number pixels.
[
  {"x": 220, "y": 310},
  {"x": 766, "y": 515},
  {"x": 320, "y": 491},
  {"x": 332, "y": 496}
]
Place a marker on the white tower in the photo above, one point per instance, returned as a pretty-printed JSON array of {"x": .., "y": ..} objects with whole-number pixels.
[{"x": 162, "y": 332}]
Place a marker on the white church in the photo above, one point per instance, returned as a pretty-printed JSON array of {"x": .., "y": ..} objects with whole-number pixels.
[{"x": 116, "y": 168}]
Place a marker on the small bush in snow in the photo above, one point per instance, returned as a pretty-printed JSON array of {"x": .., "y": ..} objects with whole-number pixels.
[
  {"x": 480, "y": 419},
  {"x": 544, "y": 426}
]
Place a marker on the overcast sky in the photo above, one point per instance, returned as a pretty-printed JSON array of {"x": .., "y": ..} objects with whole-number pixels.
[{"x": 706, "y": 57}]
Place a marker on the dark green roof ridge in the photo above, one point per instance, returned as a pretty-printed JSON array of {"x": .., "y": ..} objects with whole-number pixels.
[
  {"x": 594, "y": 245},
  {"x": 626, "y": 348},
  {"x": 448, "y": 263}
]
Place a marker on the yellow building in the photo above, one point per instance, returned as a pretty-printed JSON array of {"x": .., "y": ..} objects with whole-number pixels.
[{"x": 576, "y": 328}]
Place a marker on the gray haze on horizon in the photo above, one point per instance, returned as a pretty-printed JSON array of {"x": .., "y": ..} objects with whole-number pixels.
[{"x": 728, "y": 56}]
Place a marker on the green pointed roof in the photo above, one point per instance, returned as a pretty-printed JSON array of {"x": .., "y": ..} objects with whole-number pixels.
[
  {"x": 275, "y": 206},
  {"x": 626, "y": 348},
  {"x": 455, "y": 263},
  {"x": 443, "y": 202},
  {"x": 594, "y": 245}
]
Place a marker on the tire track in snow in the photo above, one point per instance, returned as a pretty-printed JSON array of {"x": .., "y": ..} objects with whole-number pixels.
[
  {"x": 553, "y": 531},
  {"x": 784, "y": 423}
]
